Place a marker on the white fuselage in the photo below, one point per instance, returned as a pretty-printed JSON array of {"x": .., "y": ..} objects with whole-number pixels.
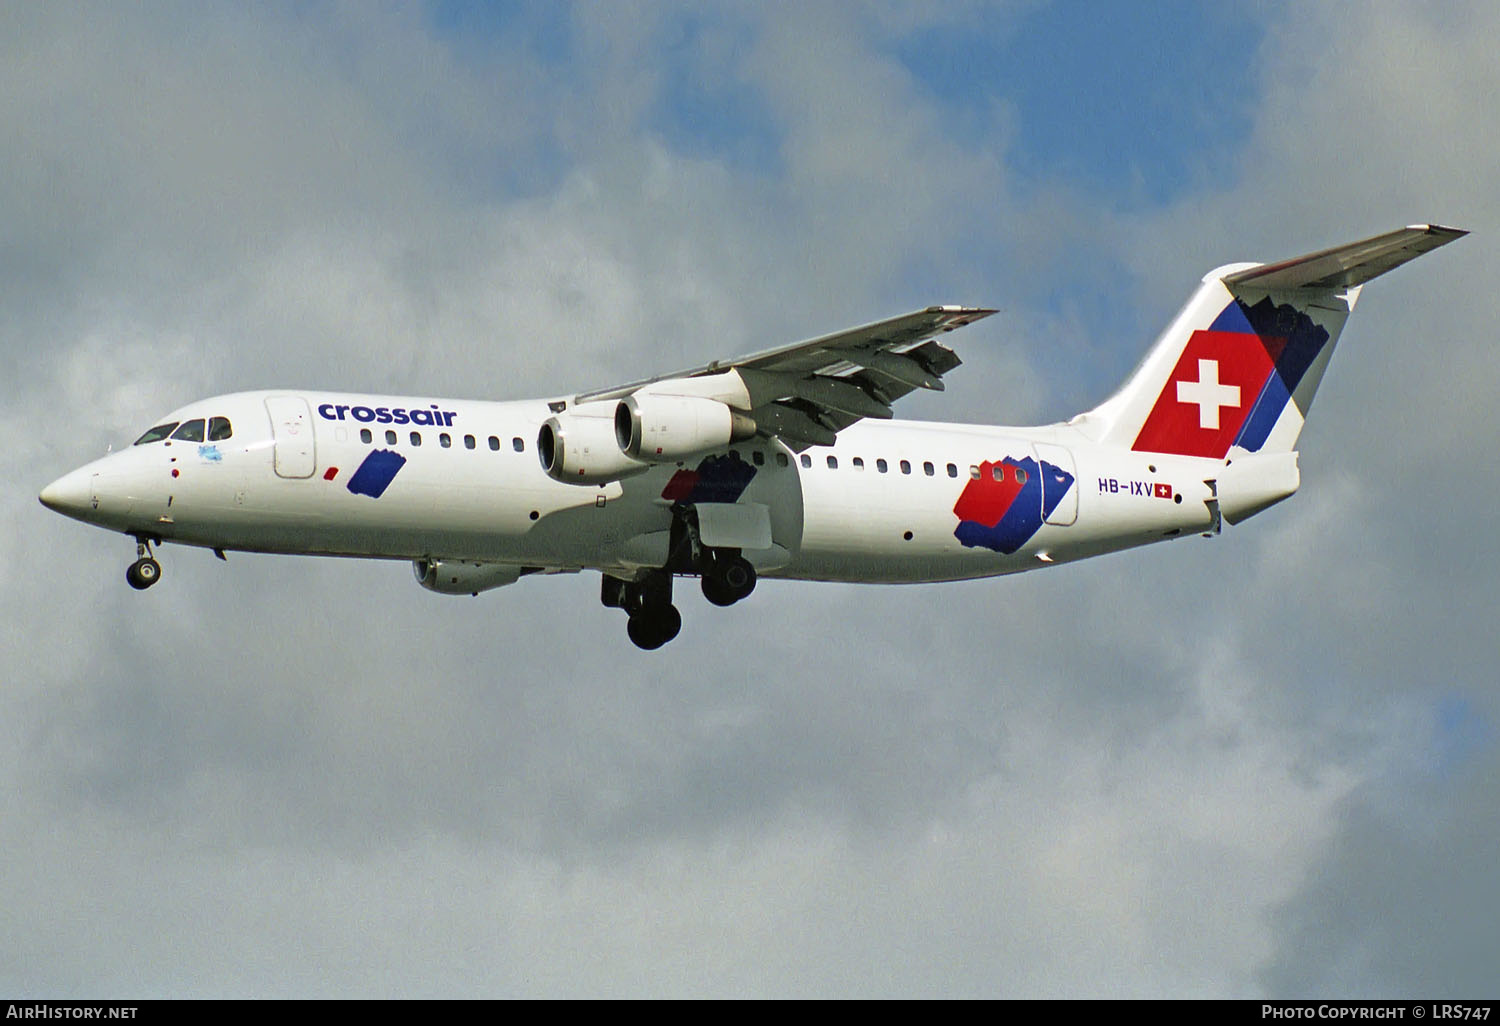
[{"x": 311, "y": 473}]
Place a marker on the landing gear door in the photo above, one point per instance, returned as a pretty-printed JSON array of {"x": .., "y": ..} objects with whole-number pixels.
[
  {"x": 738, "y": 525},
  {"x": 1059, "y": 485},
  {"x": 292, "y": 427}
]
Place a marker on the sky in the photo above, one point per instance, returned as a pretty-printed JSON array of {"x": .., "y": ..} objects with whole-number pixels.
[{"x": 1264, "y": 764}]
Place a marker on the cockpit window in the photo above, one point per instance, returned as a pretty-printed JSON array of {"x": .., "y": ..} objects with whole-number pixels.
[
  {"x": 219, "y": 429},
  {"x": 156, "y": 434},
  {"x": 191, "y": 431}
]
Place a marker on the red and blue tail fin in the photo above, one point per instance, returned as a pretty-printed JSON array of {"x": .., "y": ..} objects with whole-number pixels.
[{"x": 1238, "y": 368}]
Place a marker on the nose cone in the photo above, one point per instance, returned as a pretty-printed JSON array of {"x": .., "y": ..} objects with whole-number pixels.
[{"x": 71, "y": 495}]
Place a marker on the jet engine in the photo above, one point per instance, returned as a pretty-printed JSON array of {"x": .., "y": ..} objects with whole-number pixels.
[
  {"x": 665, "y": 428},
  {"x": 578, "y": 447},
  {"x": 462, "y": 576}
]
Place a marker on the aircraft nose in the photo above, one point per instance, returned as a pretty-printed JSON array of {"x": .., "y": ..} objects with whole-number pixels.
[{"x": 70, "y": 495}]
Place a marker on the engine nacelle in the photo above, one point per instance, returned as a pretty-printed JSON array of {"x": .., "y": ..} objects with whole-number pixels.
[
  {"x": 462, "y": 576},
  {"x": 666, "y": 428},
  {"x": 578, "y": 447}
]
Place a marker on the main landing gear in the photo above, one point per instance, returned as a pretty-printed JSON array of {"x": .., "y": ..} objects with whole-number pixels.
[
  {"x": 654, "y": 621},
  {"x": 727, "y": 577},
  {"x": 145, "y": 571}
]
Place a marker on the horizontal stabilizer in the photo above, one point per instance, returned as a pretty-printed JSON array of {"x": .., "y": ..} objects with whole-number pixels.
[{"x": 1348, "y": 265}]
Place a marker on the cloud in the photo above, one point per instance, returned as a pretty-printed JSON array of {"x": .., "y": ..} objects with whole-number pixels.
[{"x": 1361, "y": 120}]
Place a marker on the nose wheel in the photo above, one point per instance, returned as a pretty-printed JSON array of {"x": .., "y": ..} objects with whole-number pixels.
[{"x": 145, "y": 571}]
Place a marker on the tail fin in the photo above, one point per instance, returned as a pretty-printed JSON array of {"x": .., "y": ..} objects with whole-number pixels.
[{"x": 1238, "y": 367}]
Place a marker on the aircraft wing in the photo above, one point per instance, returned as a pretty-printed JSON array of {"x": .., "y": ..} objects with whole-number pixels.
[{"x": 807, "y": 392}]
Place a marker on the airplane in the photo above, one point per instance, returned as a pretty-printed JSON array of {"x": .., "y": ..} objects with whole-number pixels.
[{"x": 785, "y": 463}]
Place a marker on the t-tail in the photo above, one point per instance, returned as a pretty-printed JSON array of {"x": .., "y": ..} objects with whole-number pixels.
[{"x": 1233, "y": 376}]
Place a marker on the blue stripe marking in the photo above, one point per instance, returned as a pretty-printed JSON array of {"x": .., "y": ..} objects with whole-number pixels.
[
  {"x": 375, "y": 474},
  {"x": 1057, "y": 485},
  {"x": 1232, "y": 318},
  {"x": 1263, "y": 417},
  {"x": 1304, "y": 341}
]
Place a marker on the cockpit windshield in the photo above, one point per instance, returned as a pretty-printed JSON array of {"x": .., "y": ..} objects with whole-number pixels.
[
  {"x": 157, "y": 433},
  {"x": 191, "y": 431},
  {"x": 219, "y": 429}
]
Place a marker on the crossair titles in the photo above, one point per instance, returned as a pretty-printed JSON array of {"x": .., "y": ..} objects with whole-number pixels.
[{"x": 388, "y": 415}]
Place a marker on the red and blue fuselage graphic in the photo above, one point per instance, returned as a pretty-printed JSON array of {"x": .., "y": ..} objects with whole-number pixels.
[
  {"x": 716, "y": 479},
  {"x": 1233, "y": 381},
  {"x": 1008, "y": 502}
]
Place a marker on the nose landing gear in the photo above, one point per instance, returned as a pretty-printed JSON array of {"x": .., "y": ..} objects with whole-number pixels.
[{"x": 145, "y": 571}]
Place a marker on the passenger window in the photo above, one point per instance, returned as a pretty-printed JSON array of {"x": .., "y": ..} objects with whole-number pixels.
[
  {"x": 833, "y": 463},
  {"x": 390, "y": 438},
  {"x": 781, "y": 459},
  {"x": 973, "y": 471},
  {"x": 859, "y": 463},
  {"x": 998, "y": 471},
  {"x": 929, "y": 469},
  {"x": 157, "y": 433},
  {"x": 416, "y": 439},
  {"x": 219, "y": 429},
  {"x": 952, "y": 470},
  {"x": 468, "y": 441},
  {"x": 906, "y": 466},
  {"x": 517, "y": 444},
  {"x": 806, "y": 460},
  {"x": 1020, "y": 476},
  {"x": 758, "y": 457},
  {"x": 494, "y": 444},
  {"x": 191, "y": 431},
  {"x": 444, "y": 440},
  {"x": 365, "y": 436},
  {"x": 881, "y": 465}
]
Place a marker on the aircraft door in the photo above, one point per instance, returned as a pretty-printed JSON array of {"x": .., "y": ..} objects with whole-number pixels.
[
  {"x": 292, "y": 427},
  {"x": 1059, "y": 484}
]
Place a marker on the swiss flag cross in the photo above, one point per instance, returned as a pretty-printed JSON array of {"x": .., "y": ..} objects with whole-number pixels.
[{"x": 1209, "y": 393}]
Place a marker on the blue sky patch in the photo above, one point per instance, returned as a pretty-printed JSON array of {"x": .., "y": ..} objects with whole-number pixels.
[{"x": 1138, "y": 101}]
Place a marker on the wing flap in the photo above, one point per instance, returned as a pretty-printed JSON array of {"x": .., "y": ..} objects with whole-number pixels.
[{"x": 797, "y": 428}]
